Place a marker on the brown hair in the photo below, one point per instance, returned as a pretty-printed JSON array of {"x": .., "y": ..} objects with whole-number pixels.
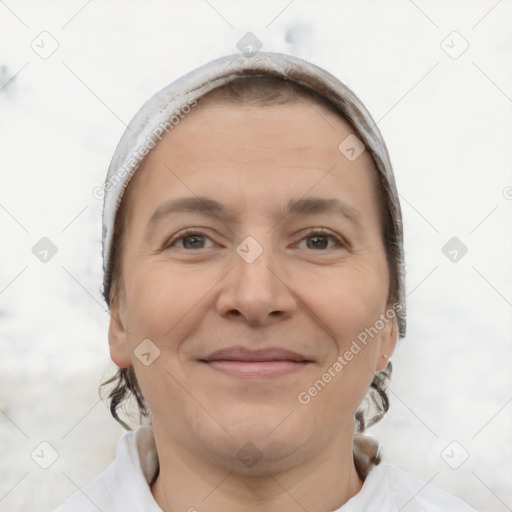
[{"x": 264, "y": 91}]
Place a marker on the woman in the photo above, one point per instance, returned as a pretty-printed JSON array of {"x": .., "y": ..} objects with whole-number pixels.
[{"x": 253, "y": 263}]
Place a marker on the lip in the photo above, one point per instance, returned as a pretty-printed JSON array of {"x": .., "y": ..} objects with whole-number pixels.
[{"x": 268, "y": 362}]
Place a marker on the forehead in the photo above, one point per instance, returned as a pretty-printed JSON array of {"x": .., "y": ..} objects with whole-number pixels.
[{"x": 287, "y": 145}]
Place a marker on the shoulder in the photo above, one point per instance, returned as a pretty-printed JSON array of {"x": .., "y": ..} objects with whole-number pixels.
[
  {"x": 424, "y": 495},
  {"x": 124, "y": 484},
  {"x": 391, "y": 489},
  {"x": 93, "y": 496}
]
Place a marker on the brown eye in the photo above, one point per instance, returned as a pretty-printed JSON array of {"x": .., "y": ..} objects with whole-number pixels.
[
  {"x": 319, "y": 240},
  {"x": 191, "y": 239}
]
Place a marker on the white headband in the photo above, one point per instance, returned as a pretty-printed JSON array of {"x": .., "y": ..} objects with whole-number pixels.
[{"x": 163, "y": 111}]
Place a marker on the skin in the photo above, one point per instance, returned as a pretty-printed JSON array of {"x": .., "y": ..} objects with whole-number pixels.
[{"x": 198, "y": 295}]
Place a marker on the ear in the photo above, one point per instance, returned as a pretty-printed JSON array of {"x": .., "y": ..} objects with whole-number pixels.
[
  {"x": 118, "y": 337},
  {"x": 388, "y": 340}
]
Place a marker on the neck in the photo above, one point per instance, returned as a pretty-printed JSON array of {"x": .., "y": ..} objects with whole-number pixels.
[{"x": 187, "y": 481}]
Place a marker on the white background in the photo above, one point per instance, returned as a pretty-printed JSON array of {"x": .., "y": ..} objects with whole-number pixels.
[{"x": 447, "y": 124}]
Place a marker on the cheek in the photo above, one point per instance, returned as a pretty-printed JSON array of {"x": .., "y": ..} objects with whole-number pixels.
[
  {"x": 164, "y": 299},
  {"x": 348, "y": 300}
]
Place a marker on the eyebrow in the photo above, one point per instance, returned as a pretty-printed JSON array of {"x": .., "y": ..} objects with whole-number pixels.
[{"x": 206, "y": 206}]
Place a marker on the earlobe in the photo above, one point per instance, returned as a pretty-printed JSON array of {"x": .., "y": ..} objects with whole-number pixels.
[
  {"x": 118, "y": 339},
  {"x": 389, "y": 338}
]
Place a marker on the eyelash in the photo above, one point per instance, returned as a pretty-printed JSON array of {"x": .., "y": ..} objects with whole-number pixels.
[{"x": 317, "y": 231}]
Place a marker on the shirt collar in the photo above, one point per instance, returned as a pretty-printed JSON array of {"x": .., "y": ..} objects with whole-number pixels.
[{"x": 137, "y": 466}]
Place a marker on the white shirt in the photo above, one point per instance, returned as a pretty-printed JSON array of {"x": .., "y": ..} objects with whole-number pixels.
[{"x": 124, "y": 486}]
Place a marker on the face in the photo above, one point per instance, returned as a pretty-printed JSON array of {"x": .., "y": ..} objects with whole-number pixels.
[{"x": 247, "y": 302}]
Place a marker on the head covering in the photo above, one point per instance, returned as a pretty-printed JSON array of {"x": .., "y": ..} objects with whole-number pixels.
[{"x": 164, "y": 110}]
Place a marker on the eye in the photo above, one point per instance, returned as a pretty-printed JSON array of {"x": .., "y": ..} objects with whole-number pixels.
[
  {"x": 195, "y": 239},
  {"x": 192, "y": 239},
  {"x": 320, "y": 240}
]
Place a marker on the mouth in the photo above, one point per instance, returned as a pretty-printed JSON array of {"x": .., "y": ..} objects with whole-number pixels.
[{"x": 270, "y": 362}]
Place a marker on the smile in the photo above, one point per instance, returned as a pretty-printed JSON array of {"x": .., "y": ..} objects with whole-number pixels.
[
  {"x": 257, "y": 368},
  {"x": 243, "y": 362}
]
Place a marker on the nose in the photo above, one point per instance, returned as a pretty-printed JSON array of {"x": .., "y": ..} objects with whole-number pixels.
[{"x": 257, "y": 289}]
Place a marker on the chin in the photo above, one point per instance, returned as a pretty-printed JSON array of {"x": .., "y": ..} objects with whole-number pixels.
[
  {"x": 261, "y": 440},
  {"x": 259, "y": 457},
  {"x": 256, "y": 421}
]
